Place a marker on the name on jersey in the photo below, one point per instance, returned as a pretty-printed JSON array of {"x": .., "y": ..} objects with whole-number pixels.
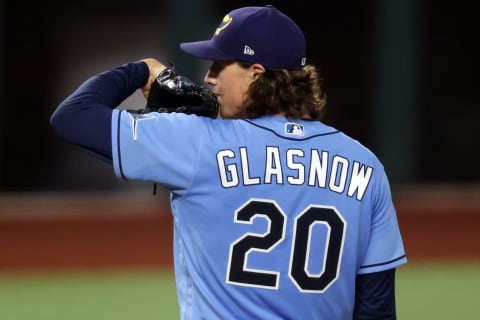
[{"x": 295, "y": 167}]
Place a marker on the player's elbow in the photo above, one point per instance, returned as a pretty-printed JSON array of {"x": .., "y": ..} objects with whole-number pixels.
[{"x": 58, "y": 121}]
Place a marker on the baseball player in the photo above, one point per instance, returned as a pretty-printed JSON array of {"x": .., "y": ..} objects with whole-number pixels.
[{"x": 276, "y": 214}]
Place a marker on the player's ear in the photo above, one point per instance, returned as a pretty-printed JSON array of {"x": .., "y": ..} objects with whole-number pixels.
[{"x": 257, "y": 70}]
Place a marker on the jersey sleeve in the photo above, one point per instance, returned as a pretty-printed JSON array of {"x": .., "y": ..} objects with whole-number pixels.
[
  {"x": 385, "y": 247},
  {"x": 156, "y": 147},
  {"x": 84, "y": 117}
]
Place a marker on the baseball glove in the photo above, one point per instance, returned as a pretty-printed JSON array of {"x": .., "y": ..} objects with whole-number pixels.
[{"x": 171, "y": 92}]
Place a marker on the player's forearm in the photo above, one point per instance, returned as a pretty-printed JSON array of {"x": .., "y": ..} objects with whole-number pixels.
[
  {"x": 84, "y": 118},
  {"x": 375, "y": 296}
]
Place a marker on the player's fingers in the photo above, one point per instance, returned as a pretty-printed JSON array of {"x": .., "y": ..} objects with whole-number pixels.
[{"x": 155, "y": 67}]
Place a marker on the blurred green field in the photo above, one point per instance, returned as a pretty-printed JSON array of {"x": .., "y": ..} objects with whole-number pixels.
[
  {"x": 439, "y": 291},
  {"x": 118, "y": 295},
  {"x": 424, "y": 291}
]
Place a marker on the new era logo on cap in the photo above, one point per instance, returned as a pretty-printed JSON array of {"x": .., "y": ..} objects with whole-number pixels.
[
  {"x": 248, "y": 50},
  {"x": 261, "y": 35}
]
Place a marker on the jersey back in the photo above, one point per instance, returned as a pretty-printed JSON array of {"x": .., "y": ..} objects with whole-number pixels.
[{"x": 273, "y": 218}]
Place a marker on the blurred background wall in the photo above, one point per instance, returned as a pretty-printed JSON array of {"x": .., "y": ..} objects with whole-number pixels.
[{"x": 401, "y": 77}]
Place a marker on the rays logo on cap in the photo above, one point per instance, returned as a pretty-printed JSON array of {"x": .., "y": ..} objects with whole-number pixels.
[
  {"x": 294, "y": 128},
  {"x": 225, "y": 22}
]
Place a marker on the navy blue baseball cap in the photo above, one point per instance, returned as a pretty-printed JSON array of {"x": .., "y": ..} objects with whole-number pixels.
[{"x": 261, "y": 35}]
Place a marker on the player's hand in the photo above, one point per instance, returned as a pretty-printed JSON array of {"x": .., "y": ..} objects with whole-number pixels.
[{"x": 155, "y": 67}]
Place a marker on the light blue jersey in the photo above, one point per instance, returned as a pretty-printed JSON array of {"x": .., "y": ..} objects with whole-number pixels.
[{"x": 269, "y": 214}]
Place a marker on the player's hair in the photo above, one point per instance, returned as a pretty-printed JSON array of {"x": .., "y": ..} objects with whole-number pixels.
[{"x": 296, "y": 93}]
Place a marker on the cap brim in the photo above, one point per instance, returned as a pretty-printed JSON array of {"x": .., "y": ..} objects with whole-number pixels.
[{"x": 204, "y": 50}]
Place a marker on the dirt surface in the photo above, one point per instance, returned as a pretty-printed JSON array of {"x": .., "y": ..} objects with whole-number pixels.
[{"x": 84, "y": 231}]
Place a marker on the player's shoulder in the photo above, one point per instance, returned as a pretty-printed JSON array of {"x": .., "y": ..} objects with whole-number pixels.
[
  {"x": 161, "y": 122},
  {"x": 352, "y": 145},
  {"x": 162, "y": 116}
]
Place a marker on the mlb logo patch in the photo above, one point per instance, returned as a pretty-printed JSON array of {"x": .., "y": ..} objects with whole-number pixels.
[{"x": 294, "y": 128}]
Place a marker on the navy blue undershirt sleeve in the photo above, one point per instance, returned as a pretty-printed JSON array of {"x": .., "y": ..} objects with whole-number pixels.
[
  {"x": 84, "y": 118},
  {"x": 375, "y": 296}
]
